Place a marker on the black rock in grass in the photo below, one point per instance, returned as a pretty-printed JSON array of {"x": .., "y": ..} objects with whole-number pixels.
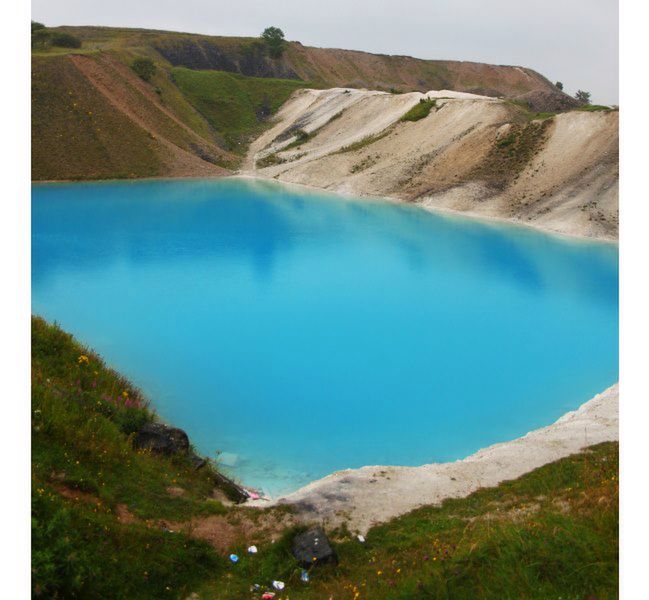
[
  {"x": 312, "y": 548},
  {"x": 161, "y": 439}
]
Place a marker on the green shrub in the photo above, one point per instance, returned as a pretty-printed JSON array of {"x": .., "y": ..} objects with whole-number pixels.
[
  {"x": 274, "y": 38},
  {"x": 144, "y": 68},
  {"x": 36, "y": 26},
  {"x": 64, "y": 40},
  {"x": 269, "y": 161},
  {"x": 420, "y": 110},
  {"x": 40, "y": 39}
]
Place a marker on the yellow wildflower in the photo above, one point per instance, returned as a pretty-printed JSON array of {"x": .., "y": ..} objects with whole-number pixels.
[{"x": 83, "y": 359}]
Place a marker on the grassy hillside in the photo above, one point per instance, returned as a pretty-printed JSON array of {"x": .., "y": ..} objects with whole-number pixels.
[
  {"x": 74, "y": 129},
  {"x": 94, "y": 497},
  {"x": 234, "y": 105},
  {"x": 103, "y": 515}
]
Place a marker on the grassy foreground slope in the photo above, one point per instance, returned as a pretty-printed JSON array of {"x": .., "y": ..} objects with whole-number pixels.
[
  {"x": 99, "y": 510},
  {"x": 94, "y": 498}
]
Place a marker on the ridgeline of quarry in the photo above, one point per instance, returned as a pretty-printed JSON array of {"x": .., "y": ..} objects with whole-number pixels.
[{"x": 503, "y": 142}]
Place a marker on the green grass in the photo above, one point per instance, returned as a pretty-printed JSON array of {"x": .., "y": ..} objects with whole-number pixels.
[
  {"x": 551, "y": 533},
  {"x": 365, "y": 142},
  {"x": 74, "y": 129},
  {"x": 301, "y": 137},
  {"x": 269, "y": 160},
  {"x": 236, "y": 107},
  {"x": 512, "y": 153},
  {"x": 82, "y": 416},
  {"x": 595, "y": 108},
  {"x": 527, "y": 114},
  {"x": 420, "y": 110}
]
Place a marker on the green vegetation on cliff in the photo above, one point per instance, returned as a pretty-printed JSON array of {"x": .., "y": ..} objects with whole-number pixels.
[
  {"x": 420, "y": 110},
  {"x": 98, "y": 506},
  {"x": 234, "y": 105}
]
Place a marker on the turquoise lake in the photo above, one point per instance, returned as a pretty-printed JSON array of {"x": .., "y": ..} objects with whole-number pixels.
[{"x": 299, "y": 333}]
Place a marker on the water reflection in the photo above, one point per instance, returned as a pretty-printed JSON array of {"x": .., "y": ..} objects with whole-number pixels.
[{"x": 257, "y": 222}]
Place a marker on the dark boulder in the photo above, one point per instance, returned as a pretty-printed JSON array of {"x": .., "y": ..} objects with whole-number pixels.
[
  {"x": 312, "y": 547},
  {"x": 161, "y": 439}
]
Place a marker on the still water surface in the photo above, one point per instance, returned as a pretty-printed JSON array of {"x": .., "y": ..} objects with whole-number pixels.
[{"x": 300, "y": 333}]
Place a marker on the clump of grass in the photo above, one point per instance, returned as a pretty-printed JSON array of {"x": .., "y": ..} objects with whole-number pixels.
[
  {"x": 530, "y": 115},
  {"x": 420, "y": 110},
  {"x": 595, "y": 108},
  {"x": 366, "y": 163},
  {"x": 363, "y": 143},
  {"x": 510, "y": 154},
  {"x": 301, "y": 137},
  {"x": 269, "y": 160}
]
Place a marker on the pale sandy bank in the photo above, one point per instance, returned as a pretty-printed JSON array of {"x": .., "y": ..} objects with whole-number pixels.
[
  {"x": 471, "y": 154},
  {"x": 369, "y": 495}
]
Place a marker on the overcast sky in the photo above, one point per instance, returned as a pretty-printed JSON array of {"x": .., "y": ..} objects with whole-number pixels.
[{"x": 573, "y": 41}]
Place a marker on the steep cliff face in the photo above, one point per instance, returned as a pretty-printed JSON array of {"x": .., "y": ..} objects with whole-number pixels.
[{"x": 472, "y": 154}]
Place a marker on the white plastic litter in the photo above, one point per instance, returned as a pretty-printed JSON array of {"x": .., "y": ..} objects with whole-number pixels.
[
  {"x": 252, "y": 550},
  {"x": 361, "y": 539},
  {"x": 278, "y": 585}
]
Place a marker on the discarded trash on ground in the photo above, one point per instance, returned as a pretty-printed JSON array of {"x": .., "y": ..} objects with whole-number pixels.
[
  {"x": 234, "y": 558},
  {"x": 278, "y": 585},
  {"x": 361, "y": 539},
  {"x": 252, "y": 550},
  {"x": 304, "y": 576},
  {"x": 268, "y": 596}
]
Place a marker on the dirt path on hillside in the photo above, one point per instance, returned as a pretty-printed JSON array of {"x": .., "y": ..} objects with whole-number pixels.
[{"x": 128, "y": 94}]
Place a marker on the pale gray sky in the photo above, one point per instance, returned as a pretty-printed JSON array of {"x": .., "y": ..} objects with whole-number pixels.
[{"x": 574, "y": 41}]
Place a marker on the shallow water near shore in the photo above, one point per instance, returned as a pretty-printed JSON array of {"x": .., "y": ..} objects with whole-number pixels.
[{"x": 299, "y": 333}]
